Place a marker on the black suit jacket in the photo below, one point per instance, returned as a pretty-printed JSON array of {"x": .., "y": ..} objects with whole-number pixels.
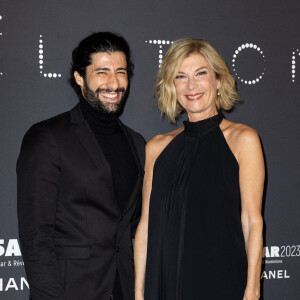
[{"x": 72, "y": 233}]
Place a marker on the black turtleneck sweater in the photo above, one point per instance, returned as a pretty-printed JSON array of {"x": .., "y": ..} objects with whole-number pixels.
[{"x": 116, "y": 149}]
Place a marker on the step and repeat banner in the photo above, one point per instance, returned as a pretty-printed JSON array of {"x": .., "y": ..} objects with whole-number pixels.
[{"x": 260, "y": 41}]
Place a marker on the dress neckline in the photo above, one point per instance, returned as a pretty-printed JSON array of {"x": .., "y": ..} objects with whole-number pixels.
[{"x": 203, "y": 126}]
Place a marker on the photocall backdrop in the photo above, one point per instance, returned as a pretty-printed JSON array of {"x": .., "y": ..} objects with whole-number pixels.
[{"x": 260, "y": 41}]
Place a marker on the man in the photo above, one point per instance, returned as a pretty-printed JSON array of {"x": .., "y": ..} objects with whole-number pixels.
[{"x": 79, "y": 184}]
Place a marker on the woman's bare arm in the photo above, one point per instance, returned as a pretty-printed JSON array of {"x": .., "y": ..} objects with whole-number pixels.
[{"x": 252, "y": 175}]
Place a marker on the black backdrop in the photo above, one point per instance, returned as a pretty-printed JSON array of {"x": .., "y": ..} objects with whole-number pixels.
[{"x": 260, "y": 41}]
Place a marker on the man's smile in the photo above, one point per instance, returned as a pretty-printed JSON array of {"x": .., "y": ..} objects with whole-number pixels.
[{"x": 111, "y": 96}]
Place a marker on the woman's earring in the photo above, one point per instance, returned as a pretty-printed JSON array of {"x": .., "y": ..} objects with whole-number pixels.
[{"x": 218, "y": 92}]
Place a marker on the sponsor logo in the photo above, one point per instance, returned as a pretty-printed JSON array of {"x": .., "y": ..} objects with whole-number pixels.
[
  {"x": 273, "y": 255},
  {"x": 9, "y": 284},
  {"x": 275, "y": 274},
  {"x": 10, "y": 257},
  {"x": 11, "y": 248},
  {"x": 280, "y": 252},
  {"x": 12, "y": 263}
]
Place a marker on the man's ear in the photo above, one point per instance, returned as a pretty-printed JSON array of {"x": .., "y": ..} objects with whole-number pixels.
[{"x": 79, "y": 79}]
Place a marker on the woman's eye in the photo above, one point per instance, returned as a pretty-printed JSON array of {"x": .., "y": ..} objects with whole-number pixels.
[
  {"x": 179, "y": 77},
  {"x": 201, "y": 73}
]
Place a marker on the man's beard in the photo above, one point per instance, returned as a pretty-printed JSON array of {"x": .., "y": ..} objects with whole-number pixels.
[{"x": 92, "y": 97}]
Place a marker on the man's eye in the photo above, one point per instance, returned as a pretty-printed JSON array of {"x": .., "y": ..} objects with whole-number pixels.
[{"x": 101, "y": 72}]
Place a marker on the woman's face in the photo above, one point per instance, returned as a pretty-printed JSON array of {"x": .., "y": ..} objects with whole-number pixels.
[{"x": 196, "y": 87}]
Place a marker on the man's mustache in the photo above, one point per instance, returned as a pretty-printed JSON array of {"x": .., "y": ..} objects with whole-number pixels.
[{"x": 118, "y": 90}]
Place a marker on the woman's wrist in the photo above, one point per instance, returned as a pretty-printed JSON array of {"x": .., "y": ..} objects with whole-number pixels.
[{"x": 139, "y": 295}]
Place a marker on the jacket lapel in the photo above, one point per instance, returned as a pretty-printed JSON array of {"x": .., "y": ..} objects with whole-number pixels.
[
  {"x": 91, "y": 145},
  {"x": 132, "y": 147},
  {"x": 137, "y": 187}
]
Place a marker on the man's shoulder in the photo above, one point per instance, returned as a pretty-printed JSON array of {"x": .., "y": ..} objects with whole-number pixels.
[
  {"x": 48, "y": 131},
  {"x": 55, "y": 123}
]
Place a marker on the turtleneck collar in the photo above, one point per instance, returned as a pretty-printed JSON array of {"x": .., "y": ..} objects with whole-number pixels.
[
  {"x": 104, "y": 124},
  {"x": 203, "y": 126}
]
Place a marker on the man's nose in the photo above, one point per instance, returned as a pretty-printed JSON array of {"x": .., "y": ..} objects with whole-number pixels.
[{"x": 113, "y": 82}]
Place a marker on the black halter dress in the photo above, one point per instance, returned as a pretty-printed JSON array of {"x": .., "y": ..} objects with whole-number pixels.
[{"x": 196, "y": 247}]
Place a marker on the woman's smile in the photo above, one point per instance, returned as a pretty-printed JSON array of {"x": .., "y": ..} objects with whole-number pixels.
[{"x": 194, "y": 97}]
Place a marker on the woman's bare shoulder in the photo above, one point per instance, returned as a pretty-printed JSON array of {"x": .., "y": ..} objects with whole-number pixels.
[
  {"x": 159, "y": 142},
  {"x": 238, "y": 132},
  {"x": 240, "y": 137}
]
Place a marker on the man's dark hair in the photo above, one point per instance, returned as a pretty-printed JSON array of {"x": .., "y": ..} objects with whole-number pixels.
[{"x": 95, "y": 43}]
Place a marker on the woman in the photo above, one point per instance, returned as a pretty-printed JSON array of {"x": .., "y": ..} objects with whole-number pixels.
[{"x": 202, "y": 189}]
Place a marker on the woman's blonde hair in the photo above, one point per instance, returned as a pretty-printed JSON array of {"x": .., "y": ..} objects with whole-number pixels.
[{"x": 164, "y": 89}]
